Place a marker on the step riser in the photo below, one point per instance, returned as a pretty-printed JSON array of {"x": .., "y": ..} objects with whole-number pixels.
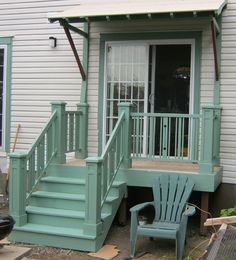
[
  {"x": 67, "y": 171},
  {"x": 56, "y": 221},
  {"x": 57, "y": 203},
  {"x": 54, "y": 240},
  {"x": 62, "y": 187}
]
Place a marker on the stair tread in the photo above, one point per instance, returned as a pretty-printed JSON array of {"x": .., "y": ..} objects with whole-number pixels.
[
  {"x": 60, "y": 195},
  {"x": 60, "y": 231},
  {"x": 69, "y": 196},
  {"x": 53, "y": 212},
  {"x": 54, "y": 179},
  {"x": 59, "y": 212}
]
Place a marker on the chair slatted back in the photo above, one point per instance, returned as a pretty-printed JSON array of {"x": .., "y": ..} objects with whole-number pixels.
[{"x": 171, "y": 192}]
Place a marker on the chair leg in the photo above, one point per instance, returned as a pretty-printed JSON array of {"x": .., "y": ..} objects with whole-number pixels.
[
  {"x": 179, "y": 248},
  {"x": 133, "y": 241},
  {"x": 180, "y": 240}
]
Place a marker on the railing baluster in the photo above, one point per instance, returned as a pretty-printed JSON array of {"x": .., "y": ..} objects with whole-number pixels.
[
  {"x": 49, "y": 141},
  {"x": 71, "y": 132},
  {"x": 77, "y": 136},
  {"x": 169, "y": 137},
  {"x": 104, "y": 177},
  {"x": 31, "y": 172},
  {"x": 150, "y": 136},
  {"x": 182, "y": 148},
  {"x": 176, "y": 137},
  {"x": 160, "y": 143}
]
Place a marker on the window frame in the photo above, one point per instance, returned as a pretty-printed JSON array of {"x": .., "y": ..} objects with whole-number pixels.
[{"x": 6, "y": 43}]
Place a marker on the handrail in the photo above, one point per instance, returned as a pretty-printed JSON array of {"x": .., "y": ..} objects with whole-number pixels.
[
  {"x": 44, "y": 130},
  {"x": 41, "y": 154},
  {"x": 113, "y": 155}
]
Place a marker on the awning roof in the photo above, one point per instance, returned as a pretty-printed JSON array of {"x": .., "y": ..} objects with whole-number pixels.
[{"x": 104, "y": 9}]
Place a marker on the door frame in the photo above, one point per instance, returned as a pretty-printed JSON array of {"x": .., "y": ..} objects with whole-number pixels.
[{"x": 151, "y": 37}]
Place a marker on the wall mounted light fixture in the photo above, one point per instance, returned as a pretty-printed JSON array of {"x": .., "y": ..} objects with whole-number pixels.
[{"x": 52, "y": 42}]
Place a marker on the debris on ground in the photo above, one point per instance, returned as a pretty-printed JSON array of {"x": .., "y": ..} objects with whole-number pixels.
[{"x": 107, "y": 252}]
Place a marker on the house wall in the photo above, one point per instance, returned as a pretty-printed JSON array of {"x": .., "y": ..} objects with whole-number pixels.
[
  {"x": 228, "y": 93},
  {"x": 40, "y": 74}
]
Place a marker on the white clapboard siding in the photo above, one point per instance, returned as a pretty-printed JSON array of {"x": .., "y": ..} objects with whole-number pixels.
[
  {"x": 40, "y": 74},
  {"x": 228, "y": 93}
]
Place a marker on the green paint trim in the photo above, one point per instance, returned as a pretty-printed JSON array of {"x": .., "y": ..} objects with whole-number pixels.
[
  {"x": 143, "y": 178},
  {"x": 8, "y": 42},
  {"x": 196, "y": 35},
  {"x": 154, "y": 16},
  {"x": 101, "y": 93},
  {"x": 217, "y": 84},
  {"x": 84, "y": 84}
]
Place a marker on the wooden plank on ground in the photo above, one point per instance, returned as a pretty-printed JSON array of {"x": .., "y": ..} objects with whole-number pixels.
[{"x": 220, "y": 221}]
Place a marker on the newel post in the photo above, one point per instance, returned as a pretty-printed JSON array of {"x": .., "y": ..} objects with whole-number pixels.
[
  {"x": 82, "y": 135},
  {"x": 127, "y": 136},
  {"x": 60, "y": 131},
  {"x": 207, "y": 140},
  {"x": 93, "y": 224},
  {"x": 17, "y": 188}
]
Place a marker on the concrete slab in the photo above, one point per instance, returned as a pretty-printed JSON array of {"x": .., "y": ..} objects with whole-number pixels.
[{"x": 13, "y": 252}]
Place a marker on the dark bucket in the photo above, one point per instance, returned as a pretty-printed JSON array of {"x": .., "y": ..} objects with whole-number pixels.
[{"x": 6, "y": 225}]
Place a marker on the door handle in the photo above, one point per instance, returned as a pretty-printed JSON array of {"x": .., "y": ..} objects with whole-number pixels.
[{"x": 151, "y": 99}]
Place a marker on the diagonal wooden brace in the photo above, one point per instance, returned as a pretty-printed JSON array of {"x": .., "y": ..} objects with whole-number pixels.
[{"x": 69, "y": 37}]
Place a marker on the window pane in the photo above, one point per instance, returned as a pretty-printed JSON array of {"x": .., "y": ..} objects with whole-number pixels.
[{"x": 125, "y": 79}]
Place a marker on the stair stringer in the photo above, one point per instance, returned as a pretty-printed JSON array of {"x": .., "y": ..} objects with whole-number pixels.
[{"x": 109, "y": 220}]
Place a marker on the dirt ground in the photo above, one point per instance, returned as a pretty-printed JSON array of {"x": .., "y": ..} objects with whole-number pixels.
[{"x": 119, "y": 236}]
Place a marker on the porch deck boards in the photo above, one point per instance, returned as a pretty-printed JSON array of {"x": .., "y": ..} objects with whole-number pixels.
[
  {"x": 165, "y": 166},
  {"x": 155, "y": 165}
]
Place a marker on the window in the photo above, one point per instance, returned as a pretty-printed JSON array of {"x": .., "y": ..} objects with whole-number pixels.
[
  {"x": 2, "y": 92},
  {"x": 5, "y": 91},
  {"x": 155, "y": 76}
]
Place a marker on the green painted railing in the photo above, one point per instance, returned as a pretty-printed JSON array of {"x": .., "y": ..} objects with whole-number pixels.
[
  {"x": 103, "y": 170},
  {"x": 72, "y": 131},
  {"x": 112, "y": 157},
  {"x": 40, "y": 155},
  {"x": 165, "y": 136},
  {"x": 60, "y": 135}
]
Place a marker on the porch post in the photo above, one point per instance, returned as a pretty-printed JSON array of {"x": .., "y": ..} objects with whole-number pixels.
[
  {"x": 126, "y": 107},
  {"x": 207, "y": 139},
  {"x": 82, "y": 134},
  {"x": 93, "y": 224},
  {"x": 60, "y": 131},
  {"x": 17, "y": 189}
]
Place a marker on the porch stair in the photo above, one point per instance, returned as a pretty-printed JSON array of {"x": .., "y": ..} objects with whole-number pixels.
[{"x": 56, "y": 211}]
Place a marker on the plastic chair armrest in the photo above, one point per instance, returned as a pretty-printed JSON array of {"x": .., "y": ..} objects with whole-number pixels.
[{"x": 138, "y": 207}]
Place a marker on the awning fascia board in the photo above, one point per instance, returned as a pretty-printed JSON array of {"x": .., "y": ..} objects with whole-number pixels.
[
  {"x": 137, "y": 9},
  {"x": 109, "y": 18}
]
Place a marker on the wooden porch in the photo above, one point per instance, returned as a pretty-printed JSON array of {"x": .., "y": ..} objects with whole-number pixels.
[{"x": 89, "y": 190}]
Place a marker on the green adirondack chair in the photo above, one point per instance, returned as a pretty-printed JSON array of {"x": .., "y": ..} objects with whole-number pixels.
[{"x": 170, "y": 192}]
